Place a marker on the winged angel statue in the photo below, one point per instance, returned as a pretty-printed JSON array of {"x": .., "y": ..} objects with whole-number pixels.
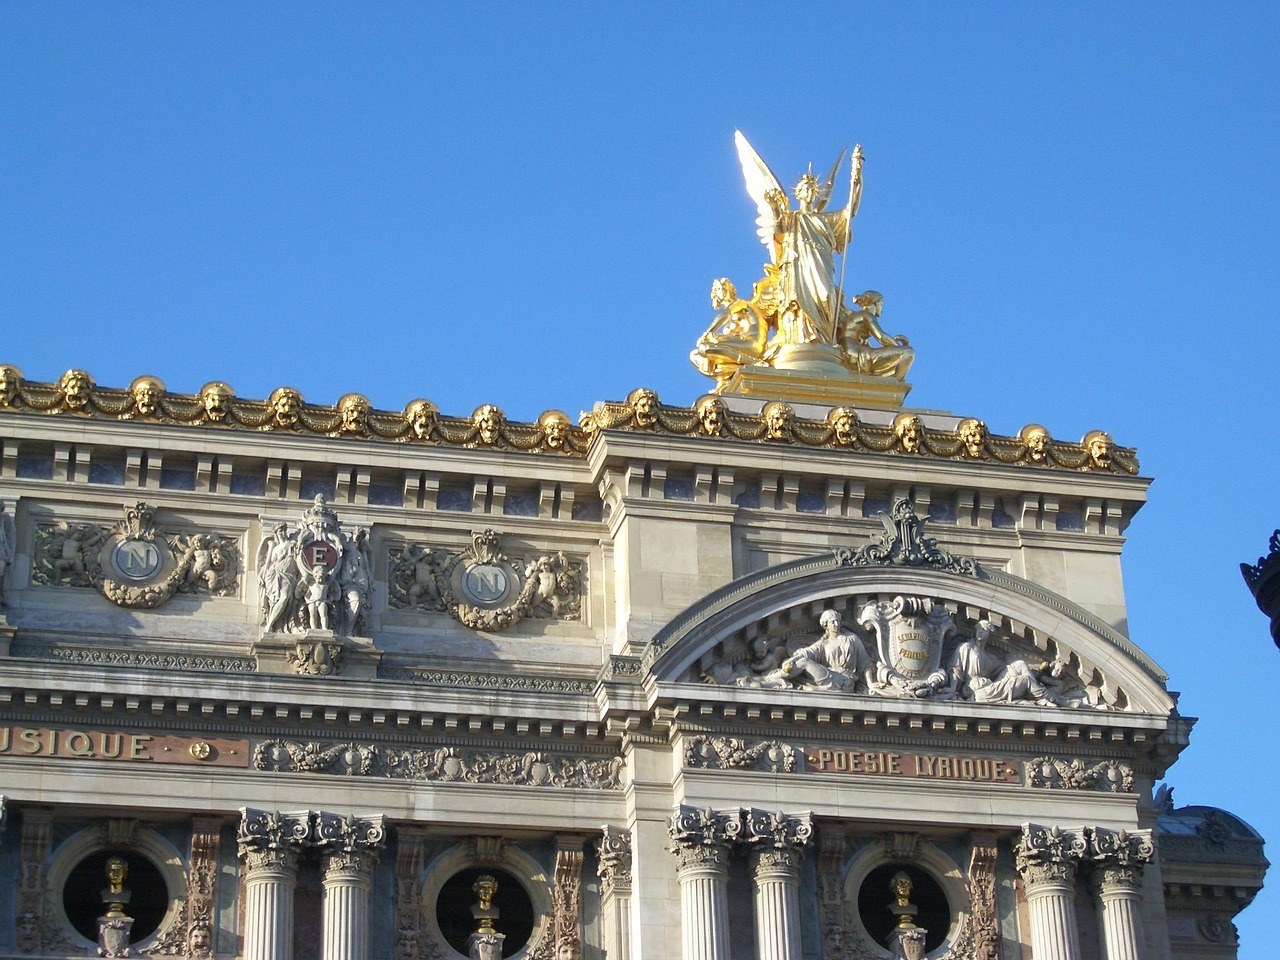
[{"x": 797, "y": 316}]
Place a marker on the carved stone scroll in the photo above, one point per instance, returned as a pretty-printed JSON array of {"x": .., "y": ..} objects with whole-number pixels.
[
  {"x": 202, "y": 887},
  {"x": 34, "y": 846}
]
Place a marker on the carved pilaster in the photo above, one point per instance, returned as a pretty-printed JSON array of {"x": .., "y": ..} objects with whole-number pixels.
[
  {"x": 408, "y": 917},
  {"x": 37, "y": 833},
  {"x": 831, "y": 905},
  {"x": 566, "y": 898},
  {"x": 614, "y": 869},
  {"x": 202, "y": 886},
  {"x": 984, "y": 926}
]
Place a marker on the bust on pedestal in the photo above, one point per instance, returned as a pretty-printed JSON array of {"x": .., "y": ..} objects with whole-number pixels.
[
  {"x": 114, "y": 926},
  {"x": 906, "y": 940},
  {"x": 486, "y": 942}
]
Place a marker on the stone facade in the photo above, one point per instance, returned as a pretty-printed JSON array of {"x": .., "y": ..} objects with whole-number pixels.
[{"x": 681, "y": 690}]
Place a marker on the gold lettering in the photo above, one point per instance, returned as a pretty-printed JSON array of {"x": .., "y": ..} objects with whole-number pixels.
[
  {"x": 944, "y": 766},
  {"x": 109, "y": 752},
  {"x": 6, "y": 737},
  {"x": 966, "y": 769},
  {"x": 870, "y": 763},
  {"x": 78, "y": 744},
  {"x": 983, "y": 769},
  {"x": 30, "y": 741},
  {"x": 824, "y": 759},
  {"x": 138, "y": 746},
  {"x": 855, "y": 763},
  {"x": 928, "y": 765},
  {"x": 842, "y": 760},
  {"x": 894, "y": 767}
]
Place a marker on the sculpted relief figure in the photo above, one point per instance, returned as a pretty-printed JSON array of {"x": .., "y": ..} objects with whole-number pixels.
[
  {"x": 837, "y": 660},
  {"x": 735, "y": 338},
  {"x": 316, "y": 577},
  {"x": 978, "y": 672}
]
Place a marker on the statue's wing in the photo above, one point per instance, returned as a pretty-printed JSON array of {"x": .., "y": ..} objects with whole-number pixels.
[
  {"x": 824, "y": 188},
  {"x": 760, "y": 180}
]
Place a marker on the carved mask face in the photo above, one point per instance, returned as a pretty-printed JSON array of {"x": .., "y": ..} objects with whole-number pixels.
[
  {"x": 422, "y": 419},
  {"x": 908, "y": 431},
  {"x": 645, "y": 406},
  {"x": 355, "y": 413},
  {"x": 9, "y": 378},
  {"x": 844, "y": 425},
  {"x": 556, "y": 432},
  {"x": 778, "y": 422},
  {"x": 75, "y": 389},
  {"x": 488, "y": 421},
  {"x": 711, "y": 414},
  {"x": 973, "y": 434},
  {"x": 217, "y": 402},
  {"x": 1100, "y": 451},
  {"x": 146, "y": 397},
  {"x": 285, "y": 406}
]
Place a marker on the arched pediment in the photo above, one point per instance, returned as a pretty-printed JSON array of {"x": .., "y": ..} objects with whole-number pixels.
[{"x": 743, "y": 633}]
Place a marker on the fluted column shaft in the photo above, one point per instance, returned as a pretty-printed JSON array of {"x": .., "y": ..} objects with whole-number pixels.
[
  {"x": 1118, "y": 861},
  {"x": 777, "y": 903},
  {"x": 346, "y": 906},
  {"x": 1052, "y": 911},
  {"x": 703, "y": 874},
  {"x": 1121, "y": 926},
  {"x": 270, "y": 878}
]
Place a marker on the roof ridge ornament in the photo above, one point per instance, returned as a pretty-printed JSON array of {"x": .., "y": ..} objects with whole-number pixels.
[{"x": 903, "y": 544}]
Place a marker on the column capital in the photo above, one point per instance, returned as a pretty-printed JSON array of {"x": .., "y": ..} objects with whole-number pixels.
[
  {"x": 270, "y": 839},
  {"x": 701, "y": 838},
  {"x": 1118, "y": 858},
  {"x": 614, "y": 861},
  {"x": 1049, "y": 855},
  {"x": 778, "y": 831}
]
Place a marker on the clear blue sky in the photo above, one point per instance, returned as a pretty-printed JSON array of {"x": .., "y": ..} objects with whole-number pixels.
[{"x": 1071, "y": 209}]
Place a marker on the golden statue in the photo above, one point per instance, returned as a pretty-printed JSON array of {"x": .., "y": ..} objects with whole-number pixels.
[{"x": 796, "y": 338}]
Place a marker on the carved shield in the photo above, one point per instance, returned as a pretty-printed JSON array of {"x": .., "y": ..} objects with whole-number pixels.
[{"x": 909, "y": 634}]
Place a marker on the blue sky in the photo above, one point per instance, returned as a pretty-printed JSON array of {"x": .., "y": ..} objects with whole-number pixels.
[{"x": 1071, "y": 210}]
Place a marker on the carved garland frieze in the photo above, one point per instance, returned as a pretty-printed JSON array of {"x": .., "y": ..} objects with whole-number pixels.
[
  {"x": 732, "y": 753},
  {"x": 483, "y": 588},
  {"x": 353, "y": 417},
  {"x": 1111, "y": 776},
  {"x": 133, "y": 564},
  {"x": 445, "y": 764}
]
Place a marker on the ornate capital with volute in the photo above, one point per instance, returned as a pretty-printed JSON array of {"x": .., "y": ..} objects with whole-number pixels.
[
  {"x": 1118, "y": 858},
  {"x": 1045, "y": 855},
  {"x": 614, "y": 863},
  {"x": 269, "y": 839},
  {"x": 776, "y": 840},
  {"x": 350, "y": 844},
  {"x": 701, "y": 837}
]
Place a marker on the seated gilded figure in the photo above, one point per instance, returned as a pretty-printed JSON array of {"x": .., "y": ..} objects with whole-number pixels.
[
  {"x": 735, "y": 338},
  {"x": 859, "y": 326}
]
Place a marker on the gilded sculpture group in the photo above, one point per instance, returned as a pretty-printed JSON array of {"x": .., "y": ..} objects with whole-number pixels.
[{"x": 919, "y": 652}]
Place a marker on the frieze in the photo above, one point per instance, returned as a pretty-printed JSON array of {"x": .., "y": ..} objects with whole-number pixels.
[
  {"x": 1110, "y": 776},
  {"x": 443, "y": 764},
  {"x": 731, "y": 753},
  {"x": 481, "y": 587},
  {"x": 920, "y": 766},
  {"x": 116, "y": 746},
  {"x": 488, "y": 681},
  {"x": 133, "y": 564},
  {"x": 216, "y": 407},
  {"x": 99, "y": 656}
]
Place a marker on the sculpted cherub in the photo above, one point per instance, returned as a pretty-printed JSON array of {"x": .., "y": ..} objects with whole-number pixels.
[
  {"x": 1036, "y": 439},
  {"x": 910, "y": 432},
  {"x": 778, "y": 420},
  {"x": 10, "y": 378},
  {"x": 354, "y": 409},
  {"x": 735, "y": 338},
  {"x": 555, "y": 429},
  {"x": 146, "y": 392},
  {"x": 973, "y": 434},
  {"x": 74, "y": 385},
  {"x": 712, "y": 414},
  {"x": 286, "y": 407},
  {"x": 422, "y": 416},
  {"x": 488, "y": 421},
  {"x": 1099, "y": 446},
  {"x": 844, "y": 426},
  {"x": 215, "y": 400},
  {"x": 644, "y": 407}
]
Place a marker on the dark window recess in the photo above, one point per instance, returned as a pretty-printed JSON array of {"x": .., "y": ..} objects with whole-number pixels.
[
  {"x": 875, "y": 898},
  {"x": 677, "y": 488},
  {"x": 248, "y": 485},
  {"x": 176, "y": 478},
  {"x": 457, "y": 500},
  {"x": 385, "y": 495},
  {"x": 82, "y": 894},
  {"x": 35, "y": 468},
  {"x": 811, "y": 503},
  {"x": 589, "y": 510},
  {"x": 515, "y": 909},
  {"x": 109, "y": 473},
  {"x": 312, "y": 488},
  {"x": 520, "y": 505}
]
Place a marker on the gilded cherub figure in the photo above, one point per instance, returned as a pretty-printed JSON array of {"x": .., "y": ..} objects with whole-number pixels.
[{"x": 868, "y": 349}]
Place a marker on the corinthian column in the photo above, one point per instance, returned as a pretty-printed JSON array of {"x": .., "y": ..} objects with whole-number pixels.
[
  {"x": 777, "y": 843},
  {"x": 1047, "y": 860},
  {"x": 269, "y": 843},
  {"x": 350, "y": 847},
  {"x": 1116, "y": 882},
  {"x": 614, "y": 870},
  {"x": 701, "y": 841}
]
